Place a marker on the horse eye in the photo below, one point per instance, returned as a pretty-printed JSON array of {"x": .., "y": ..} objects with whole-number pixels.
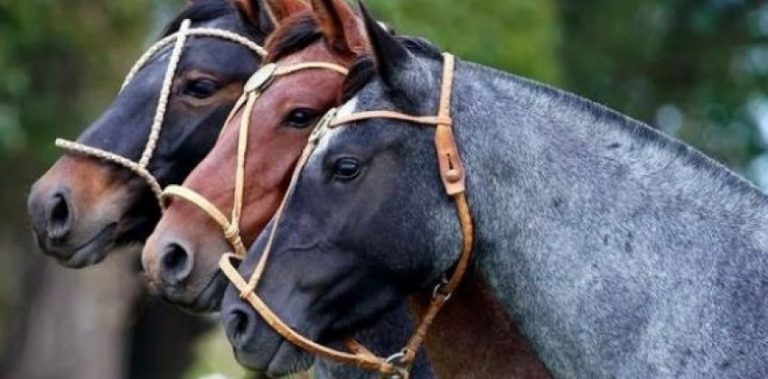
[
  {"x": 201, "y": 88},
  {"x": 300, "y": 118},
  {"x": 346, "y": 169}
]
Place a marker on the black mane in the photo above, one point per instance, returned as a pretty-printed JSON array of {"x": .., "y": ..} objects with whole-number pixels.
[
  {"x": 363, "y": 70},
  {"x": 297, "y": 33}
]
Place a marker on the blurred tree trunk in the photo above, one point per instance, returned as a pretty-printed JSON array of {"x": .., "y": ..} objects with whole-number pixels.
[
  {"x": 78, "y": 322},
  {"x": 60, "y": 323}
]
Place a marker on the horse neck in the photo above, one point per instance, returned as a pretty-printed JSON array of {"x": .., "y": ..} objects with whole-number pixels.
[
  {"x": 473, "y": 337},
  {"x": 594, "y": 230}
]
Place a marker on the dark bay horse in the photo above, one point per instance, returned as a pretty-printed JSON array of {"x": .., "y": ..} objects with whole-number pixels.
[
  {"x": 84, "y": 207},
  {"x": 618, "y": 251}
]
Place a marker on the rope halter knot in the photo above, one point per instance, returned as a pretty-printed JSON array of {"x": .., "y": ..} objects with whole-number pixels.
[
  {"x": 178, "y": 40},
  {"x": 453, "y": 178}
]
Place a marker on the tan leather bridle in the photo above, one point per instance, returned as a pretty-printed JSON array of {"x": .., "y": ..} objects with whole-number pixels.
[
  {"x": 178, "y": 39},
  {"x": 454, "y": 180},
  {"x": 256, "y": 85}
]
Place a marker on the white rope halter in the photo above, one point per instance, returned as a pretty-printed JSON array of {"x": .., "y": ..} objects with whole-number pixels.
[{"x": 180, "y": 38}]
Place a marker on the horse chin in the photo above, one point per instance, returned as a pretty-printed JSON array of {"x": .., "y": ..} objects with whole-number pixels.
[
  {"x": 93, "y": 250},
  {"x": 288, "y": 359},
  {"x": 208, "y": 300},
  {"x": 129, "y": 231}
]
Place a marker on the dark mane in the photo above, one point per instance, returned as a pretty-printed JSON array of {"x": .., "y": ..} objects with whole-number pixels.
[
  {"x": 296, "y": 33},
  {"x": 363, "y": 70},
  {"x": 200, "y": 11}
]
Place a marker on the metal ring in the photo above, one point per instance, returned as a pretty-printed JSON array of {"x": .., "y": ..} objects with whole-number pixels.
[
  {"x": 394, "y": 376},
  {"x": 436, "y": 290},
  {"x": 322, "y": 126},
  {"x": 395, "y": 358}
]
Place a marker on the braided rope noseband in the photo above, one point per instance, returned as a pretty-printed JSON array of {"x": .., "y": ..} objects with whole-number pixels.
[
  {"x": 140, "y": 168},
  {"x": 453, "y": 176},
  {"x": 255, "y": 86}
]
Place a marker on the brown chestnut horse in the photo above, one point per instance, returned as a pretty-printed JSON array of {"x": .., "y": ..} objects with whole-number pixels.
[
  {"x": 280, "y": 123},
  {"x": 85, "y": 206}
]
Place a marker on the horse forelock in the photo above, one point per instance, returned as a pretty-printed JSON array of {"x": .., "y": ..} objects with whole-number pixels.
[
  {"x": 364, "y": 69},
  {"x": 200, "y": 11},
  {"x": 294, "y": 34}
]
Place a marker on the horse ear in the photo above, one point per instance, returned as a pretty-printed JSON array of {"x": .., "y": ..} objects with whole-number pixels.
[
  {"x": 279, "y": 10},
  {"x": 392, "y": 58},
  {"x": 340, "y": 26},
  {"x": 266, "y": 15}
]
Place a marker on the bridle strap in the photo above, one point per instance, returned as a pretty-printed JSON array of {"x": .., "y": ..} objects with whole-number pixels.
[
  {"x": 196, "y": 32},
  {"x": 283, "y": 71},
  {"x": 231, "y": 231},
  {"x": 360, "y": 359},
  {"x": 453, "y": 174},
  {"x": 229, "y": 227},
  {"x": 119, "y": 160},
  {"x": 180, "y": 38},
  {"x": 259, "y": 82},
  {"x": 362, "y": 116}
]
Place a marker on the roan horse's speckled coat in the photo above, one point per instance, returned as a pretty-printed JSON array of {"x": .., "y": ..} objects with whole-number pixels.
[{"x": 617, "y": 251}]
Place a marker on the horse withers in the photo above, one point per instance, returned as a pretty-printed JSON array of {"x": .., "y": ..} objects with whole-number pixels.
[
  {"x": 85, "y": 206},
  {"x": 616, "y": 250}
]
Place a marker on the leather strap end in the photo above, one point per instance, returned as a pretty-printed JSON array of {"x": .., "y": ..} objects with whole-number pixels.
[{"x": 451, "y": 168}]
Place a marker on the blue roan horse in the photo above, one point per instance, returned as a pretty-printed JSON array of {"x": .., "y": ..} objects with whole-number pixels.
[{"x": 618, "y": 251}]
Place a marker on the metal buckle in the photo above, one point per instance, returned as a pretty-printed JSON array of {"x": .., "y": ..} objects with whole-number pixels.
[
  {"x": 261, "y": 78},
  {"x": 323, "y": 126},
  {"x": 436, "y": 290},
  {"x": 396, "y": 361}
]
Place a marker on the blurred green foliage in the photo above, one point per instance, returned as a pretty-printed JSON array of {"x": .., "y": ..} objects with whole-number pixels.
[
  {"x": 58, "y": 62},
  {"x": 694, "y": 68},
  {"x": 517, "y": 36}
]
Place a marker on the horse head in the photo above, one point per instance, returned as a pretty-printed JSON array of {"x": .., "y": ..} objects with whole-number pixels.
[{"x": 163, "y": 121}]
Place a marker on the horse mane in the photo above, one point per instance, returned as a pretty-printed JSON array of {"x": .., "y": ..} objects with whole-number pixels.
[
  {"x": 205, "y": 10},
  {"x": 364, "y": 68},
  {"x": 293, "y": 35},
  {"x": 644, "y": 133}
]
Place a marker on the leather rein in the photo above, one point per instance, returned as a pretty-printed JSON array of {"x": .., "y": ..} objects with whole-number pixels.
[
  {"x": 454, "y": 181},
  {"x": 254, "y": 88},
  {"x": 178, "y": 39}
]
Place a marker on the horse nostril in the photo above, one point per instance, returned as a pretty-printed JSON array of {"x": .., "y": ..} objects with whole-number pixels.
[
  {"x": 238, "y": 327},
  {"x": 176, "y": 264},
  {"x": 60, "y": 218}
]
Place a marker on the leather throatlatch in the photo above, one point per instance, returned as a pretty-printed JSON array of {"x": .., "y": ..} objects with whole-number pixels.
[
  {"x": 453, "y": 177},
  {"x": 254, "y": 87}
]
